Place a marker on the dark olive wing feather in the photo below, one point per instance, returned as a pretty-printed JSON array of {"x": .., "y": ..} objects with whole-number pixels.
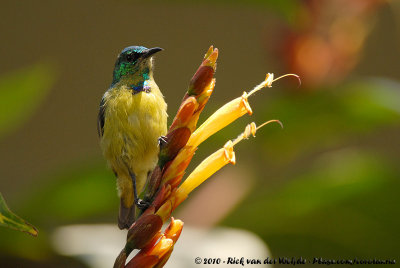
[{"x": 100, "y": 118}]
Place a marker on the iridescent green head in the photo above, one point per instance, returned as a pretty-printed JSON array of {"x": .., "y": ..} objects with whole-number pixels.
[{"x": 134, "y": 60}]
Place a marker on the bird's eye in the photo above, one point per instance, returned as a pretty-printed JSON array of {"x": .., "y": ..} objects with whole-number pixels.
[{"x": 131, "y": 57}]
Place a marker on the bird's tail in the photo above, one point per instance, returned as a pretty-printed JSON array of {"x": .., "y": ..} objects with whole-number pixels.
[
  {"x": 126, "y": 216},
  {"x": 126, "y": 185}
]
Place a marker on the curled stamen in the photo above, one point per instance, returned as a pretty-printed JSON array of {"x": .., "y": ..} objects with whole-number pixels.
[
  {"x": 269, "y": 80},
  {"x": 270, "y": 121},
  {"x": 286, "y": 75},
  {"x": 251, "y": 130},
  {"x": 266, "y": 83}
]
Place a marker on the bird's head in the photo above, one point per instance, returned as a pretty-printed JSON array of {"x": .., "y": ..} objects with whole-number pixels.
[{"x": 134, "y": 61}]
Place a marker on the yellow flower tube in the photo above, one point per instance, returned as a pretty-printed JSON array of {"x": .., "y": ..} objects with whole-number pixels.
[
  {"x": 212, "y": 164},
  {"x": 203, "y": 171},
  {"x": 226, "y": 114},
  {"x": 229, "y": 112},
  {"x": 220, "y": 119}
]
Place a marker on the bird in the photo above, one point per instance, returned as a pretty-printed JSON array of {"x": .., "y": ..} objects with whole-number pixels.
[{"x": 131, "y": 124}]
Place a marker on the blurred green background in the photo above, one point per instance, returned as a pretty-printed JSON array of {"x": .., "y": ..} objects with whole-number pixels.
[{"x": 327, "y": 185}]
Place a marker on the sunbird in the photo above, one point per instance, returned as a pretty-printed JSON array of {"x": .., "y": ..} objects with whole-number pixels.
[{"x": 131, "y": 123}]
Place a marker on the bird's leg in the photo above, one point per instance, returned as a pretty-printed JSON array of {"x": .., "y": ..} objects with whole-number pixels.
[
  {"x": 162, "y": 141},
  {"x": 141, "y": 204}
]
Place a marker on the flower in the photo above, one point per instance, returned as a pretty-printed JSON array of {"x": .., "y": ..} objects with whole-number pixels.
[{"x": 164, "y": 189}]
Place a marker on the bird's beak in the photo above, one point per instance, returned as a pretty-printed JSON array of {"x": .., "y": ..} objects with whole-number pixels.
[{"x": 151, "y": 51}]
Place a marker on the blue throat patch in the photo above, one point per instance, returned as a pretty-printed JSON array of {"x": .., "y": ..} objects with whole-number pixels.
[{"x": 141, "y": 87}]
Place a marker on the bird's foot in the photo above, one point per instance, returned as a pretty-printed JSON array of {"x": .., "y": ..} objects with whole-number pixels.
[
  {"x": 162, "y": 141},
  {"x": 141, "y": 204}
]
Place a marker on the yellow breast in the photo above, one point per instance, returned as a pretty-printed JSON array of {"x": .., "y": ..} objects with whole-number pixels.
[{"x": 133, "y": 124}]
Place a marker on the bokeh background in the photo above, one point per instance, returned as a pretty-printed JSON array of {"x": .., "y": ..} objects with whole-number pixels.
[{"x": 327, "y": 185}]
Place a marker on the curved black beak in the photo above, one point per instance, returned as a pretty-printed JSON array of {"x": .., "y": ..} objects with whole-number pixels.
[{"x": 149, "y": 52}]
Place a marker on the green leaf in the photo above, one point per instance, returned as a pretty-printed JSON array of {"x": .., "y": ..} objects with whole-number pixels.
[
  {"x": 21, "y": 92},
  {"x": 10, "y": 220},
  {"x": 79, "y": 192}
]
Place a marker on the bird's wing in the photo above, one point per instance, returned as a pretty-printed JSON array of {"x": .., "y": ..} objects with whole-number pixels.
[{"x": 100, "y": 118}]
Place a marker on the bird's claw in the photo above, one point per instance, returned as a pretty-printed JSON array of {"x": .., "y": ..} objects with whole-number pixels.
[
  {"x": 162, "y": 141},
  {"x": 141, "y": 204}
]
